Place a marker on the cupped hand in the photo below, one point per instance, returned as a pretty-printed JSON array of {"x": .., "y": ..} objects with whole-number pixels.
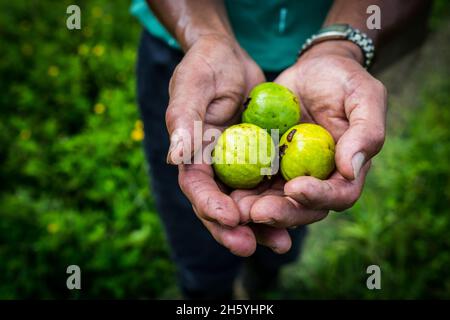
[
  {"x": 337, "y": 93},
  {"x": 209, "y": 87}
]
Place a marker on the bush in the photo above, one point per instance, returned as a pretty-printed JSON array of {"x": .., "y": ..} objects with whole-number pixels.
[{"x": 75, "y": 188}]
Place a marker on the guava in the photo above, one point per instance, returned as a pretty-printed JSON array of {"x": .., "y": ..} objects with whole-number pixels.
[
  {"x": 241, "y": 154},
  {"x": 307, "y": 150},
  {"x": 272, "y": 106}
]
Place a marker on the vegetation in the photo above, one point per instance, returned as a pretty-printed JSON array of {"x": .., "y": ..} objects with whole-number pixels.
[{"x": 74, "y": 188}]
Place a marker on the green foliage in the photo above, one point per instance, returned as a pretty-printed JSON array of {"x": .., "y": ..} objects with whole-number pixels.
[
  {"x": 440, "y": 13},
  {"x": 74, "y": 188},
  {"x": 74, "y": 185}
]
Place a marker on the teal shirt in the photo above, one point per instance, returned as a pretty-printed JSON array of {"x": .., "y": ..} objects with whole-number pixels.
[{"x": 271, "y": 31}]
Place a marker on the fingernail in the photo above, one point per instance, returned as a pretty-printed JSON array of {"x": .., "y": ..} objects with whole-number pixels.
[
  {"x": 357, "y": 162},
  {"x": 175, "y": 142},
  {"x": 268, "y": 221},
  {"x": 277, "y": 249}
]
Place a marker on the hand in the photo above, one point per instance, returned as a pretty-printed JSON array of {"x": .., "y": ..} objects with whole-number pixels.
[
  {"x": 338, "y": 94},
  {"x": 210, "y": 85}
]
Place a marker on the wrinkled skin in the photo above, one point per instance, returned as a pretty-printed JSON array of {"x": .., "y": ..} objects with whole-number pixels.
[{"x": 210, "y": 85}]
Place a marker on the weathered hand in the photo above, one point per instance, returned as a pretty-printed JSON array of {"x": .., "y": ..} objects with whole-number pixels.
[
  {"x": 209, "y": 86},
  {"x": 337, "y": 93}
]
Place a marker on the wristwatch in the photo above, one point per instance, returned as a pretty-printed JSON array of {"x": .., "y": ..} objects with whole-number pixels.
[{"x": 343, "y": 32}]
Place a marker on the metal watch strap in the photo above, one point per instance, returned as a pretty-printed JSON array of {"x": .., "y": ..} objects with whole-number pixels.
[{"x": 343, "y": 32}]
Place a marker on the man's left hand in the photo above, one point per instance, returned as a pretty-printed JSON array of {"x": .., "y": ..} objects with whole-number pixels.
[{"x": 337, "y": 93}]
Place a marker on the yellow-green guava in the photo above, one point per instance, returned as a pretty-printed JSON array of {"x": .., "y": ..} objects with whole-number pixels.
[
  {"x": 272, "y": 106},
  {"x": 241, "y": 152},
  {"x": 307, "y": 150}
]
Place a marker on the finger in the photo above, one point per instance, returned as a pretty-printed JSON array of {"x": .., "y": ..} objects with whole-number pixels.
[
  {"x": 191, "y": 90},
  {"x": 278, "y": 240},
  {"x": 283, "y": 212},
  {"x": 239, "y": 194},
  {"x": 365, "y": 107},
  {"x": 197, "y": 183},
  {"x": 246, "y": 198},
  {"x": 245, "y": 204},
  {"x": 240, "y": 240},
  {"x": 336, "y": 193}
]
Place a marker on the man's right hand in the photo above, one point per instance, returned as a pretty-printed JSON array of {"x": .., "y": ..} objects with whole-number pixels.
[{"x": 210, "y": 85}]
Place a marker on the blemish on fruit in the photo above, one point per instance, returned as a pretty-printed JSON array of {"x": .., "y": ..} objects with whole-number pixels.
[
  {"x": 283, "y": 150},
  {"x": 291, "y": 135}
]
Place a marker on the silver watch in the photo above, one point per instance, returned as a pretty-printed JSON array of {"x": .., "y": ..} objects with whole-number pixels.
[{"x": 343, "y": 32}]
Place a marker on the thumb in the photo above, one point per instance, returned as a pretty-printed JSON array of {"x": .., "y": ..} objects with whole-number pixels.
[
  {"x": 365, "y": 108},
  {"x": 191, "y": 89}
]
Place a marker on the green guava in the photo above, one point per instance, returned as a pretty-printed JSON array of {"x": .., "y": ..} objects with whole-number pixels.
[
  {"x": 243, "y": 156},
  {"x": 272, "y": 106},
  {"x": 307, "y": 150}
]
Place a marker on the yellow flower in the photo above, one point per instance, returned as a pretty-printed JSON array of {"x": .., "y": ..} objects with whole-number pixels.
[
  {"x": 137, "y": 134},
  {"x": 83, "y": 50},
  {"x": 120, "y": 77},
  {"x": 24, "y": 25},
  {"x": 53, "y": 71},
  {"x": 27, "y": 49},
  {"x": 25, "y": 134},
  {"x": 97, "y": 12},
  {"x": 99, "y": 108},
  {"x": 52, "y": 228},
  {"x": 139, "y": 124},
  {"x": 87, "y": 31},
  {"x": 98, "y": 50}
]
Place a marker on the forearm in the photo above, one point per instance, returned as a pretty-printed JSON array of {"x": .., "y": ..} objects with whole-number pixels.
[
  {"x": 394, "y": 15},
  {"x": 188, "y": 20}
]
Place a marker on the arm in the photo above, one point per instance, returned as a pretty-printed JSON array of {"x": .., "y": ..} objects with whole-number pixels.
[
  {"x": 395, "y": 15},
  {"x": 188, "y": 20}
]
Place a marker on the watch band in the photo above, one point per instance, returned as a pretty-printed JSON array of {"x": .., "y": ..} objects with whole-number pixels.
[{"x": 343, "y": 32}]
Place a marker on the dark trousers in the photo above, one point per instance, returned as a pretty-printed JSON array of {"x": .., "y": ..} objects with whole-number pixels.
[{"x": 205, "y": 268}]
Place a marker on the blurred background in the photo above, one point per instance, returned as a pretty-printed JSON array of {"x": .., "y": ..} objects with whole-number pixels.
[{"x": 74, "y": 188}]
